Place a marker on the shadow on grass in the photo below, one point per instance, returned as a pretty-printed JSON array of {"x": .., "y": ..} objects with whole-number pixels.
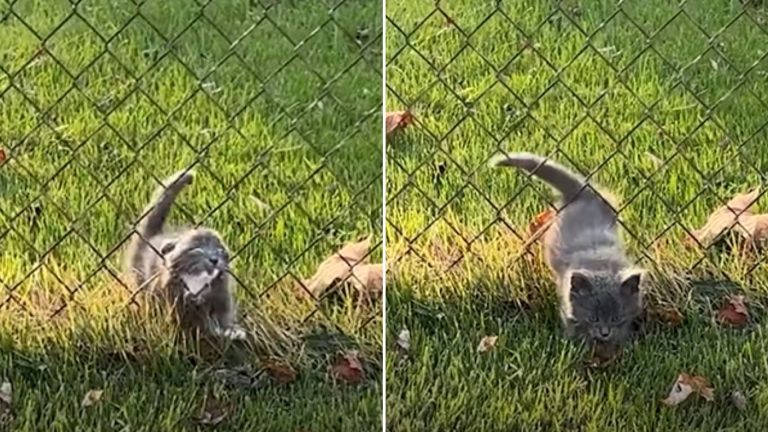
[
  {"x": 156, "y": 383},
  {"x": 535, "y": 380}
]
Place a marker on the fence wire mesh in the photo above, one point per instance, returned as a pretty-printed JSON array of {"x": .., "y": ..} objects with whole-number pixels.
[
  {"x": 661, "y": 103},
  {"x": 275, "y": 104}
]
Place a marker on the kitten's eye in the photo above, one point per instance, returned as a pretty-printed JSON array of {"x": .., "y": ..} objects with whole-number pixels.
[
  {"x": 592, "y": 319},
  {"x": 614, "y": 319}
]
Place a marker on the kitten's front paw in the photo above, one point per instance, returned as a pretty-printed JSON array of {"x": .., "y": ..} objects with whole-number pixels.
[{"x": 235, "y": 333}]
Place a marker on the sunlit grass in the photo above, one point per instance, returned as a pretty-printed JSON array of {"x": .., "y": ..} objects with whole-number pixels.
[
  {"x": 673, "y": 130},
  {"x": 277, "y": 106}
]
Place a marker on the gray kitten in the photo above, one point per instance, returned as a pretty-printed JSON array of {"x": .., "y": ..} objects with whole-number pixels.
[
  {"x": 598, "y": 286},
  {"x": 188, "y": 267}
]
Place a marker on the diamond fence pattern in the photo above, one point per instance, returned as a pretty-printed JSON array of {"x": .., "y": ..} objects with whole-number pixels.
[
  {"x": 662, "y": 103},
  {"x": 272, "y": 103}
]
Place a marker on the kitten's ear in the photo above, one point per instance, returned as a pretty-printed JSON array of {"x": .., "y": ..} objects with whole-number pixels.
[
  {"x": 580, "y": 284},
  {"x": 167, "y": 247},
  {"x": 630, "y": 281}
]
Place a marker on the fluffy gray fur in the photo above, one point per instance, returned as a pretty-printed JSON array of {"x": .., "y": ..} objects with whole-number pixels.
[
  {"x": 186, "y": 267},
  {"x": 598, "y": 286}
]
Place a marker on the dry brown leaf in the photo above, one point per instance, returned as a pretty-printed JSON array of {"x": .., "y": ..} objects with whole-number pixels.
[
  {"x": 603, "y": 356},
  {"x": 213, "y": 411},
  {"x": 337, "y": 267},
  {"x": 540, "y": 222},
  {"x": 368, "y": 279},
  {"x": 669, "y": 315},
  {"x": 733, "y": 312},
  {"x": 738, "y": 400},
  {"x": 751, "y": 226},
  {"x": 348, "y": 368},
  {"x": 92, "y": 397},
  {"x": 397, "y": 120},
  {"x": 686, "y": 385},
  {"x": 281, "y": 372},
  {"x": 2, "y": 155},
  {"x": 487, "y": 343}
]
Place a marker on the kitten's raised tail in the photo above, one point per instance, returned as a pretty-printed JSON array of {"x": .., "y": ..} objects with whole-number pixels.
[
  {"x": 559, "y": 177},
  {"x": 154, "y": 217},
  {"x": 158, "y": 209}
]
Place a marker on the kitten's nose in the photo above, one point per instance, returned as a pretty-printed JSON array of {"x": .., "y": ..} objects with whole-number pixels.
[
  {"x": 214, "y": 261},
  {"x": 604, "y": 332}
]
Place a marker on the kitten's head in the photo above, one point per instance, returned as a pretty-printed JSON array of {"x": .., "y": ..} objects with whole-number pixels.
[
  {"x": 605, "y": 306},
  {"x": 198, "y": 254}
]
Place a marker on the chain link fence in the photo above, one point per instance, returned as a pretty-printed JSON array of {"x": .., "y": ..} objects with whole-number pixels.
[
  {"x": 275, "y": 104},
  {"x": 661, "y": 103}
]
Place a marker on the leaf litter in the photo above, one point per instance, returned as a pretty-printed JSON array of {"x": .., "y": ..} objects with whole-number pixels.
[
  {"x": 397, "y": 120},
  {"x": 281, "y": 372},
  {"x": 669, "y": 315},
  {"x": 487, "y": 343},
  {"x": 687, "y": 385},
  {"x": 92, "y": 397},
  {"x": 733, "y": 312},
  {"x": 348, "y": 367},
  {"x": 348, "y": 264},
  {"x": 214, "y": 411},
  {"x": 540, "y": 223},
  {"x": 736, "y": 215},
  {"x": 602, "y": 356}
]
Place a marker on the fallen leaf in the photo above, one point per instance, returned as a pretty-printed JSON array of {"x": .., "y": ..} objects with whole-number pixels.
[
  {"x": 338, "y": 266},
  {"x": 92, "y": 397},
  {"x": 487, "y": 343},
  {"x": 733, "y": 312},
  {"x": 368, "y": 279},
  {"x": 397, "y": 120},
  {"x": 602, "y": 356},
  {"x": 6, "y": 393},
  {"x": 213, "y": 411},
  {"x": 281, "y": 372},
  {"x": 669, "y": 315},
  {"x": 753, "y": 227},
  {"x": 403, "y": 341},
  {"x": 738, "y": 400},
  {"x": 686, "y": 385},
  {"x": 2, "y": 155},
  {"x": 348, "y": 368},
  {"x": 540, "y": 222}
]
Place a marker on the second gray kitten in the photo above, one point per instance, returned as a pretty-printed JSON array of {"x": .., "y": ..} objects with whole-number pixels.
[
  {"x": 598, "y": 286},
  {"x": 188, "y": 268}
]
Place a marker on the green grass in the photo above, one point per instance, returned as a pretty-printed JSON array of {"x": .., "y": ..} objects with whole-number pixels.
[
  {"x": 682, "y": 130},
  {"x": 276, "y": 104}
]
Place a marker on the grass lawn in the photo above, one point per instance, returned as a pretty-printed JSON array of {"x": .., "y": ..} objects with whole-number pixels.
[
  {"x": 277, "y": 105},
  {"x": 663, "y": 105}
]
